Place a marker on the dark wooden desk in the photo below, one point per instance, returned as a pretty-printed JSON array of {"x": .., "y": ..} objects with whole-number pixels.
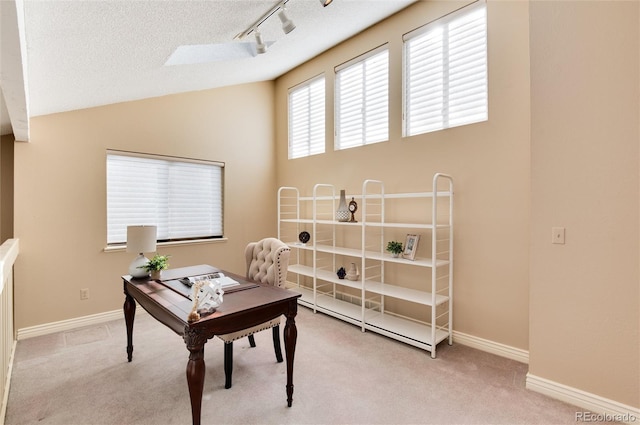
[{"x": 243, "y": 307}]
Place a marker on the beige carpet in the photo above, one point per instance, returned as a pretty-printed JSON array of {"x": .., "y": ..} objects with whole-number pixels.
[{"x": 341, "y": 376}]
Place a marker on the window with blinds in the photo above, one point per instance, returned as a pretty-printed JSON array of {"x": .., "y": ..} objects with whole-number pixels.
[
  {"x": 306, "y": 119},
  {"x": 445, "y": 72},
  {"x": 362, "y": 100},
  {"x": 182, "y": 197}
]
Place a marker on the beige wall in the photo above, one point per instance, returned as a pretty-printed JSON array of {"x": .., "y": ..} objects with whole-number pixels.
[
  {"x": 60, "y": 191},
  {"x": 584, "y": 155},
  {"x": 489, "y": 162}
]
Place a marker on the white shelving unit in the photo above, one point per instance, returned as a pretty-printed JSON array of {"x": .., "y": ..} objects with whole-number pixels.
[{"x": 421, "y": 289}]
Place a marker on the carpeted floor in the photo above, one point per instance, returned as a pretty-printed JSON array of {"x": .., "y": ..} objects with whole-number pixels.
[{"x": 341, "y": 376}]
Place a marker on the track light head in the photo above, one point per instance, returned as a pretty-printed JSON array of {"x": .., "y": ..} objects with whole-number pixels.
[
  {"x": 260, "y": 46},
  {"x": 325, "y": 3},
  {"x": 287, "y": 24}
]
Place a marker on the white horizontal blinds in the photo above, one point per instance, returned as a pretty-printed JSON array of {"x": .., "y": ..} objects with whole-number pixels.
[
  {"x": 362, "y": 101},
  {"x": 445, "y": 72},
  {"x": 182, "y": 198},
  {"x": 192, "y": 210},
  {"x": 307, "y": 119},
  {"x": 135, "y": 189}
]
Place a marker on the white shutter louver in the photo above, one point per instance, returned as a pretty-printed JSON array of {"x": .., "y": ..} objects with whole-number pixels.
[
  {"x": 362, "y": 101},
  {"x": 445, "y": 72},
  {"x": 307, "y": 119},
  {"x": 182, "y": 198}
]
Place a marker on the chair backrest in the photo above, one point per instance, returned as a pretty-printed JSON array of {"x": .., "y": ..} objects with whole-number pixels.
[{"x": 267, "y": 261}]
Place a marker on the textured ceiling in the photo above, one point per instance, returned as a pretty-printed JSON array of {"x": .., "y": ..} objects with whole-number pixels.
[{"x": 81, "y": 54}]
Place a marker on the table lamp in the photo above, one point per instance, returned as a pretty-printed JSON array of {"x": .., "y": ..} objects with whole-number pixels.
[{"x": 140, "y": 239}]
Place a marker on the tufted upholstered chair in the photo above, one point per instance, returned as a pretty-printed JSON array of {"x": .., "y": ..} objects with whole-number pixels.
[{"x": 267, "y": 262}]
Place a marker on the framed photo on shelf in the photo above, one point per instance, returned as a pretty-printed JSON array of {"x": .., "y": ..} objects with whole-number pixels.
[{"x": 410, "y": 247}]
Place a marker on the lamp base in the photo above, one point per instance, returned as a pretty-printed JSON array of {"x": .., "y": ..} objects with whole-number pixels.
[{"x": 136, "y": 268}]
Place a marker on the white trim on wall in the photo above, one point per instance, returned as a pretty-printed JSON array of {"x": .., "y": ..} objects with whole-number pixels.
[
  {"x": 65, "y": 325},
  {"x": 604, "y": 409},
  {"x": 492, "y": 347}
]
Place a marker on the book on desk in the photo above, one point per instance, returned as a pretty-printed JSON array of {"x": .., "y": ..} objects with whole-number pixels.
[
  {"x": 183, "y": 285},
  {"x": 217, "y": 277}
]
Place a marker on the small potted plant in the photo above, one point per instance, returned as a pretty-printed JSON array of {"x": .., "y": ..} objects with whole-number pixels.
[
  {"x": 395, "y": 248},
  {"x": 156, "y": 265}
]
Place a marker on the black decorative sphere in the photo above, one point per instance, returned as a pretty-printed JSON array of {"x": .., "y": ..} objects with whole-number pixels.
[{"x": 304, "y": 237}]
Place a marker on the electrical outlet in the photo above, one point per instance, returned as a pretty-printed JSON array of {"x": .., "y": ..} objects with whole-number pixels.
[
  {"x": 557, "y": 235},
  {"x": 84, "y": 294}
]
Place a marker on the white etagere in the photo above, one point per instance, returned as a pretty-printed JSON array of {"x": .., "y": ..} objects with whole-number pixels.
[{"x": 313, "y": 266}]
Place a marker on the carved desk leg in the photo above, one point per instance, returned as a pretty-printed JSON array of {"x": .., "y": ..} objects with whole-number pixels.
[
  {"x": 195, "y": 339},
  {"x": 290, "y": 338},
  {"x": 129, "y": 315}
]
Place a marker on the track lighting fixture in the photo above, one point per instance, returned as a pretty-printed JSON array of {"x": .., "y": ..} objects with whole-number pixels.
[
  {"x": 260, "y": 46},
  {"x": 287, "y": 24}
]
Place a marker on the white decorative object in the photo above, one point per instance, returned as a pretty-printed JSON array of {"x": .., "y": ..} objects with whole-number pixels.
[
  {"x": 342, "y": 213},
  {"x": 353, "y": 273},
  {"x": 210, "y": 295},
  {"x": 207, "y": 296}
]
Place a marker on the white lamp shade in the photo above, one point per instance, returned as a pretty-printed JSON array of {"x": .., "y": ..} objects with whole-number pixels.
[{"x": 141, "y": 238}]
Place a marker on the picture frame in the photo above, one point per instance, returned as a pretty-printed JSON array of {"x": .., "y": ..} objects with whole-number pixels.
[{"x": 410, "y": 247}]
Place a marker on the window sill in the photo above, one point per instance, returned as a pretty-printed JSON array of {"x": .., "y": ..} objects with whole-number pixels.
[{"x": 121, "y": 248}]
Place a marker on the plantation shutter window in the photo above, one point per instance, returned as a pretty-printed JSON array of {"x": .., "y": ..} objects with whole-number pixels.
[
  {"x": 362, "y": 100},
  {"x": 445, "y": 72},
  {"x": 307, "y": 119},
  {"x": 182, "y": 197}
]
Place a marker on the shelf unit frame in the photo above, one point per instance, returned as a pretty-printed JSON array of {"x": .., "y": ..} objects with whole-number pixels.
[{"x": 369, "y": 315}]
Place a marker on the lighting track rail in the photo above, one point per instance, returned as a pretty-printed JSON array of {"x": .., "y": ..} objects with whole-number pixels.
[
  {"x": 287, "y": 24},
  {"x": 254, "y": 27}
]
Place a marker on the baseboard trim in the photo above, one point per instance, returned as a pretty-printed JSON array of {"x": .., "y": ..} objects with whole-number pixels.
[
  {"x": 7, "y": 384},
  {"x": 605, "y": 410},
  {"x": 492, "y": 347},
  {"x": 65, "y": 325}
]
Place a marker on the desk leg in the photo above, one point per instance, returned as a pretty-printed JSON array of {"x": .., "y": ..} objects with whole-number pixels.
[
  {"x": 290, "y": 338},
  {"x": 129, "y": 315},
  {"x": 195, "y": 340}
]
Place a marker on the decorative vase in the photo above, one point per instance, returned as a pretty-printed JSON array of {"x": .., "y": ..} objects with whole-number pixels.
[
  {"x": 353, "y": 273},
  {"x": 341, "y": 273},
  {"x": 342, "y": 213}
]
